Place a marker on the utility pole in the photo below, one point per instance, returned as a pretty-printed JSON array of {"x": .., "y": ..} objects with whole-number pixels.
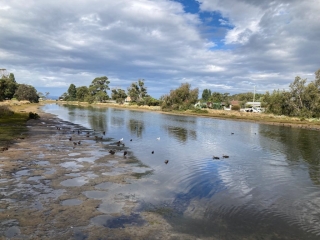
[{"x": 254, "y": 93}]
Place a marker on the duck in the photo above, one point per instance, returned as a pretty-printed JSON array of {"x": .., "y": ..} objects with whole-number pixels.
[
  {"x": 166, "y": 161},
  {"x": 70, "y": 138},
  {"x": 125, "y": 153},
  {"x": 104, "y": 132},
  {"x": 214, "y": 157},
  {"x": 152, "y": 152},
  {"x": 79, "y": 142},
  {"x": 112, "y": 152},
  {"x": 130, "y": 140},
  {"x": 225, "y": 156}
]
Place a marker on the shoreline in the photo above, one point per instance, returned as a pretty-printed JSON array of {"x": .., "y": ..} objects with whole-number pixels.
[
  {"x": 52, "y": 189},
  {"x": 261, "y": 118}
]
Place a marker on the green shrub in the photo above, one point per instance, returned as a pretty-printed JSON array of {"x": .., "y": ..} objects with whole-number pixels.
[{"x": 235, "y": 108}]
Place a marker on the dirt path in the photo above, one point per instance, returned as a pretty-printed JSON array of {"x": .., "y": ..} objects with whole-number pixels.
[{"x": 60, "y": 182}]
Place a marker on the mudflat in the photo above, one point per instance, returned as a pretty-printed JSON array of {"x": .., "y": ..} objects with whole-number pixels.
[{"x": 59, "y": 181}]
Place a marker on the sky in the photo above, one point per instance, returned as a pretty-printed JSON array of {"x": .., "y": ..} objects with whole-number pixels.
[{"x": 227, "y": 46}]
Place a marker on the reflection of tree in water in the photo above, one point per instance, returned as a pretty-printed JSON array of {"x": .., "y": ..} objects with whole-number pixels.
[
  {"x": 297, "y": 144},
  {"x": 117, "y": 121},
  {"x": 136, "y": 127},
  {"x": 98, "y": 122},
  {"x": 182, "y": 134}
]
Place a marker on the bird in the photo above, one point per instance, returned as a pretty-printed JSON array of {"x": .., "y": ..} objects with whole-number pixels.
[
  {"x": 74, "y": 143},
  {"x": 232, "y": 133},
  {"x": 79, "y": 142},
  {"x": 152, "y": 152},
  {"x": 214, "y": 157},
  {"x": 104, "y": 132},
  {"x": 158, "y": 138},
  {"x": 130, "y": 140},
  {"x": 70, "y": 138},
  {"x": 112, "y": 152},
  {"x": 125, "y": 153},
  {"x": 121, "y": 139},
  {"x": 225, "y": 156},
  {"x": 166, "y": 161}
]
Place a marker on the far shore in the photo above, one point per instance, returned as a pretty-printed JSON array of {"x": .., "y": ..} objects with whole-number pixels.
[{"x": 262, "y": 118}]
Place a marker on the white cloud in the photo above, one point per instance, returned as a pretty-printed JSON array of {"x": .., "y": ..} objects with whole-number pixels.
[{"x": 267, "y": 43}]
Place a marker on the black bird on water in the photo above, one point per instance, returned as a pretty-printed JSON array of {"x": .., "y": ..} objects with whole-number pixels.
[
  {"x": 130, "y": 140},
  {"x": 214, "y": 157},
  {"x": 125, "y": 153},
  {"x": 225, "y": 156},
  {"x": 166, "y": 161},
  {"x": 112, "y": 152},
  {"x": 152, "y": 152}
]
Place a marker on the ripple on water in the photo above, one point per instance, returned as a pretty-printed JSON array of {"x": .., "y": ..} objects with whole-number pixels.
[
  {"x": 71, "y": 202},
  {"x": 74, "y": 182}
]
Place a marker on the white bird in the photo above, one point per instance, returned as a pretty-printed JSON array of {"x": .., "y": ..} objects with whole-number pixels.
[
  {"x": 158, "y": 138},
  {"x": 121, "y": 139}
]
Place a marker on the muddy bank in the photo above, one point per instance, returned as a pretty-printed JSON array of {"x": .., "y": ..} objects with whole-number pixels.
[{"x": 61, "y": 182}]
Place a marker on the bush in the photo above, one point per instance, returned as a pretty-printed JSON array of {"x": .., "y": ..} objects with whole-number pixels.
[
  {"x": 235, "y": 107},
  {"x": 33, "y": 115}
]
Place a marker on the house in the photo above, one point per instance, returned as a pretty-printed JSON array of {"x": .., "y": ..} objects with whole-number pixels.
[{"x": 127, "y": 99}]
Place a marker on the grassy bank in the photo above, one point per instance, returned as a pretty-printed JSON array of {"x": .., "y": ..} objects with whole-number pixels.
[{"x": 13, "y": 121}]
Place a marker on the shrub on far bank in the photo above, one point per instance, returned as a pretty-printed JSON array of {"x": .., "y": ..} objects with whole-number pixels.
[{"x": 235, "y": 108}]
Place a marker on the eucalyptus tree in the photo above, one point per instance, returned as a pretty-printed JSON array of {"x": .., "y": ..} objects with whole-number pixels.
[
  {"x": 118, "y": 94},
  {"x": 206, "y": 94},
  {"x": 98, "y": 88},
  {"x": 137, "y": 91},
  {"x": 26, "y": 92},
  {"x": 72, "y": 92}
]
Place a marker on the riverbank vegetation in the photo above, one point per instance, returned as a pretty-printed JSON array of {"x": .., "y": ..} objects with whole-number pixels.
[{"x": 298, "y": 105}]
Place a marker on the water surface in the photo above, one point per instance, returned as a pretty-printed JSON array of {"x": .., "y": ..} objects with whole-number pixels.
[{"x": 268, "y": 187}]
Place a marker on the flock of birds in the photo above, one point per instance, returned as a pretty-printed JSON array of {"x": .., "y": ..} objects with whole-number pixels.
[{"x": 100, "y": 138}]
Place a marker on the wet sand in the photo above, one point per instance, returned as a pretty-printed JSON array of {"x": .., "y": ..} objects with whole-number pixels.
[{"x": 52, "y": 187}]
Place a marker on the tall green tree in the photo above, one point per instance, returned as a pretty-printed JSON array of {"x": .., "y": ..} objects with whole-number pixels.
[
  {"x": 98, "y": 88},
  {"x": 26, "y": 92},
  {"x": 137, "y": 91},
  {"x": 82, "y": 92},
  {"x": 206, "y": 94},
  {"x": 8, "y": 86},
  {"x": 182, "y": 98},
  {"x": 72, "y": 92},
  {"x": 118, "y": 94}
]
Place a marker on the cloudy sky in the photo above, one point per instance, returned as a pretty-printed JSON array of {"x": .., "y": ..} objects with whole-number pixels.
[{"x": 223, "y": 45}]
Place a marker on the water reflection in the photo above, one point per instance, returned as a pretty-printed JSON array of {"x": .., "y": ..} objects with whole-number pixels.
[
  {"x": 267, "y": 189},
  {"x": 298, "y": 145}
]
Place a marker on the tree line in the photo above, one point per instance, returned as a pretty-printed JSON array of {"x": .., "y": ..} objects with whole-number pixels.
[
  {"x": 301, "y": 100},
  {"x": 9, "y": 89},
  {"x": 97, "y": 92}
]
